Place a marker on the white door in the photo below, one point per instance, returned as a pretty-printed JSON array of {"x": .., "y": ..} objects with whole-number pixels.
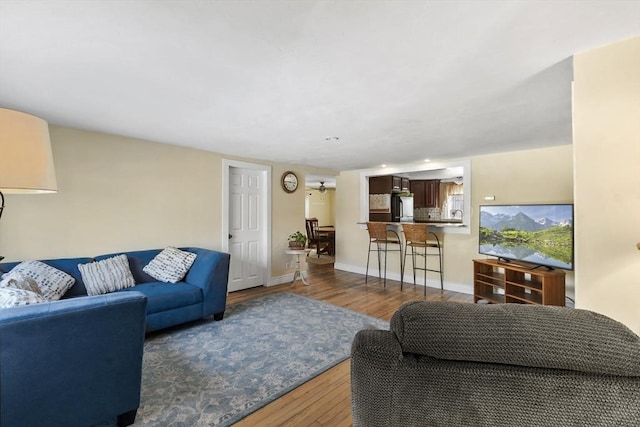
[{"x": 245, "y": 228}]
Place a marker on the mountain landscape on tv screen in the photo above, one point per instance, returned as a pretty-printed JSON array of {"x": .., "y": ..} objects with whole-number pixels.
[
  {"x": 543, "y": 241},
  {"x": 519, "y": 221}
]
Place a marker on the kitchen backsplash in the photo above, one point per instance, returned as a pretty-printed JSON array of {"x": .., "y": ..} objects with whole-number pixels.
[{"x": 423, "y": 214}]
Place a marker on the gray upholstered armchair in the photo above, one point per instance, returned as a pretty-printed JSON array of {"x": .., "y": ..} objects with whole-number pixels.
[{"x": 454, "y": 364}]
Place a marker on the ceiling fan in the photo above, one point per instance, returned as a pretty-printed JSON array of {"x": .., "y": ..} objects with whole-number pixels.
[{"x": 322, "y": 188}]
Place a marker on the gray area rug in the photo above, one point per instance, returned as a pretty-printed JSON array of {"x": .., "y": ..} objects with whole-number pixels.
[{"x": 216, "y": 373}]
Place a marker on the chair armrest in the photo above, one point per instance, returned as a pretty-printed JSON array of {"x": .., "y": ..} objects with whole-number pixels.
[
  {"x": 375, "y": 357},
  {"x": 71, "y": 362}
]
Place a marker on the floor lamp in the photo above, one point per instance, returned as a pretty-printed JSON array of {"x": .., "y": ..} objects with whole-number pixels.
[{"x": 26, "y": 161}]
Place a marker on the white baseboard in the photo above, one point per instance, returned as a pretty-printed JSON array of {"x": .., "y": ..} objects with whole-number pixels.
[
  {"x": 448, "y": 286},
  {"x": 279, "y": 280}
]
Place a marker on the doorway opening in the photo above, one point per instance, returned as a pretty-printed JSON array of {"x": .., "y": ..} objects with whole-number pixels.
[{"x": 320, "y": 193}]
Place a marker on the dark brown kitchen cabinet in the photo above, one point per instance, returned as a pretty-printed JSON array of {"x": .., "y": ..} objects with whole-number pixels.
[
  {"x": 433, "y": 193},
  {"x": 406, "y": 186},
  {"x": 396, "y": 183},
  {"x": 426, "y": 193},
  {"x": 380, "y": 184},
  {"x": 385, "y": 184},
  {"x": 418, "y": 190}
]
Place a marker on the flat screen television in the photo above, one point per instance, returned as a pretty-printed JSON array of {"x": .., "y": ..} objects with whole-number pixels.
[{"x": 541, "y": 235}]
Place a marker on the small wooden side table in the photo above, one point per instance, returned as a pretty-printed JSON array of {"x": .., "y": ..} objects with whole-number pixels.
[{"x": 298, "y": 273}]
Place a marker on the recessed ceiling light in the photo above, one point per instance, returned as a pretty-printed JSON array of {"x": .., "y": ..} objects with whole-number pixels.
[
  {"x": 384, "y": 166},
  {"x": 427, "y": 160}
]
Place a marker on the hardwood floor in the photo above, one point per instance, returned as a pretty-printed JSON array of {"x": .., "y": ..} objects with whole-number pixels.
[{"x": 326, "y": 399}]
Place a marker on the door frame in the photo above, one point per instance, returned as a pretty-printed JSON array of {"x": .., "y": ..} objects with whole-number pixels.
[{"x": 227, "y": 164}]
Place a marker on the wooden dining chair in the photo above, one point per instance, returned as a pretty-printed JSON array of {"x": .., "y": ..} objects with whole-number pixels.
[{"x": 322, "y": 242}]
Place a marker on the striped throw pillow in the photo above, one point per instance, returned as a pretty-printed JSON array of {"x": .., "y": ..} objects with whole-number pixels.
[{"x": 108, "y": 275}]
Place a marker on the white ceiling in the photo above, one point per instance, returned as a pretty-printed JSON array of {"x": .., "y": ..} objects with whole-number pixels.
[{"x": 396, "y": 81}]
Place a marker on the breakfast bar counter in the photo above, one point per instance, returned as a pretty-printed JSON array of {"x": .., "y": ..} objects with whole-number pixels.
[{"x": 430, "y": 223}]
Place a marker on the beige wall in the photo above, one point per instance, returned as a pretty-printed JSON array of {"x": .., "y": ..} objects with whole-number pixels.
[
  {"x": 118, "y": 194},
  {"x": 606, "y": 119},
  {"x": 321, "y": 206},
  {"x": 531, "y": 176},
  {"x": 287, "y": 217}
]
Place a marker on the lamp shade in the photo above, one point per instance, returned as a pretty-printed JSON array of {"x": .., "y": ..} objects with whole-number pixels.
[{"x": 26, "y": 161}]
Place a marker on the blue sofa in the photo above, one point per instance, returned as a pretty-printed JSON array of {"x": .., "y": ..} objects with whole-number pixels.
[
  {"x": 78, "y": 361},
  {"x": 74, "y": 362},
  {"x": 203, "y": 292}
]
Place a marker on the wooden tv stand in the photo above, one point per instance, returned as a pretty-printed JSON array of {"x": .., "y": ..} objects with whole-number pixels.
[{"x": 501, "y": 282}]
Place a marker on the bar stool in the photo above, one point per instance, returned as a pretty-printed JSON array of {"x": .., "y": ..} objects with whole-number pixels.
[
  {"x": 381, "y": 237},
  {"x": 423, "y": 243}
]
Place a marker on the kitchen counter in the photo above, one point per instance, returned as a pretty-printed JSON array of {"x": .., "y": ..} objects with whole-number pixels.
[
  {"x": 430, "y": 223},
  {"x": 450, "y": 222}
]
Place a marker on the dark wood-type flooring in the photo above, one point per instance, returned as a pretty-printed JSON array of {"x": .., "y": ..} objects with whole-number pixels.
[{"x": 326, "y": 399}]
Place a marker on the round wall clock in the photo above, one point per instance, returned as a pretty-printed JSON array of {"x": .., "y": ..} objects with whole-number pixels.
[{"x": 289, "y": 182}]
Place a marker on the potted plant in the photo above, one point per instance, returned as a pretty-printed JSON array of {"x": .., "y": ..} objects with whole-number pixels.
[{"x": 297, "y": 240}]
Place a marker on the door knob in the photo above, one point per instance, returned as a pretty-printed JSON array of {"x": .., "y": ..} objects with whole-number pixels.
[{"x": 230, "y": 236}]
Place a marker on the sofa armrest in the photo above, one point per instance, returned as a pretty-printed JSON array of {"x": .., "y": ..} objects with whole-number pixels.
[
  {"x": 375, "y": 357},
  {"x": 519, "y": 335},
  {"x": 72, "y": 362},
  {"x": 210, "y": 272}
]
